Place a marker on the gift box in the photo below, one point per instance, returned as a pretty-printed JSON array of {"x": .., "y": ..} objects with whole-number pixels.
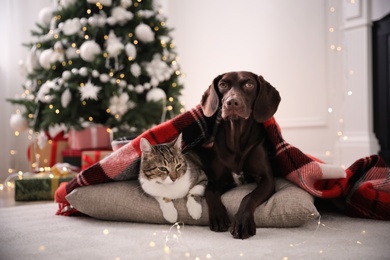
[
  {"x": 48, "y": 155},
  {"x": 89, "y": 158},
  {"x": 71, "y": 156},
  {"x": 40, "y": 186},
  {"x": 95, "y": 137},
  {"x": 120, "y": 142}
]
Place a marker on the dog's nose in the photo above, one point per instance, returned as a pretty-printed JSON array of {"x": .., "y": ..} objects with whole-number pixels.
[{"x": 232, "y": 102}]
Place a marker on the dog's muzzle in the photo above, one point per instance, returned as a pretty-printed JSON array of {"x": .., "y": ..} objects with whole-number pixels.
[{"x": 234, "y": 108}]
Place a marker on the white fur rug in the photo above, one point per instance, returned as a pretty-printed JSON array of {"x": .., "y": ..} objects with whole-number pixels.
[{"x": 32, "y": 231}]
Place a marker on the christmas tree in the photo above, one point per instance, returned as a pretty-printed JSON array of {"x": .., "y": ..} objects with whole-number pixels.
[{"x": 109, "y": 62}]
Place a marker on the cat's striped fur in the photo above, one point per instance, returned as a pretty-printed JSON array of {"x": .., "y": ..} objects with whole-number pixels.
[{"x": 167, "y": 174}]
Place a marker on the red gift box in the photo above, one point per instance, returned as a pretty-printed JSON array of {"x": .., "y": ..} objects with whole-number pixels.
[
  {"x": 89, "y": 158},
  {"x": 73, "y": 157},
  {"x": 91, "y": 138},
  {"x": 50, "y": 154}
]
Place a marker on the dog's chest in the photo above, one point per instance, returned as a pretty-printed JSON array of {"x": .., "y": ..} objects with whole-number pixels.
[
  {"x": 233, "y": 148},
  {"x": 234, "y": 161},
  {"x": 233, "y": 158}
]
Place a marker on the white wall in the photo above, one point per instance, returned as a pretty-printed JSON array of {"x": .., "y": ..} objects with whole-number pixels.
[
  {"x": 285, "y": 41},
  {"x": 17, "y": 18}
]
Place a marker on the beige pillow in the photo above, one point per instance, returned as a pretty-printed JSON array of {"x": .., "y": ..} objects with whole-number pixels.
[{"x": 290, "y": 206}]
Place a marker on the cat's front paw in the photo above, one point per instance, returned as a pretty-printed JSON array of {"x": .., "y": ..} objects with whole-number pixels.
[
  {"x": 169, "y": 211},
  {"x": 194, "y": 208},
  {"x": 171, "y": 215}
]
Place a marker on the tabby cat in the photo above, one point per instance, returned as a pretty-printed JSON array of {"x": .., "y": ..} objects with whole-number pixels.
[{"x": 167, "y": 174}]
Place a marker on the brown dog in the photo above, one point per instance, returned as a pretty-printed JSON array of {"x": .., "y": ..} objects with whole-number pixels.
[{"x": 239, "y": 154}]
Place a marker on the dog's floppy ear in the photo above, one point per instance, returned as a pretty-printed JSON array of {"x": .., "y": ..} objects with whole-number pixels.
[
  {"x": 267, "y": 101},
  {"x": 210, "y": 98}
]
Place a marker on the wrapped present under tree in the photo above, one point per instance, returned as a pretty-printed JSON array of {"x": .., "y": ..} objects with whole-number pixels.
[
  {"x": 46, "y": 154},
  {"x": 71, "y": 156},
  {"x": 89, "y": 158},
  {"x": 42, "y": 186},
  {"x": 94, "y": 137}
]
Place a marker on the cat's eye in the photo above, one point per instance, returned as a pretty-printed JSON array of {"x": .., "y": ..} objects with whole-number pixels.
[
  {"x": 178, "y": 166},
  {"x": 163, "y": 169}
]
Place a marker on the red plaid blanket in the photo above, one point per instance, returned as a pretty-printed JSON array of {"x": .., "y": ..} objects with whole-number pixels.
[{"x": 364, "y": 186}]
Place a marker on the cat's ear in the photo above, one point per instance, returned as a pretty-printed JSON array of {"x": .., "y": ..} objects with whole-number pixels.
[
  {"x": 177, "y": 143},
  {"x": 145, "y": 146}
]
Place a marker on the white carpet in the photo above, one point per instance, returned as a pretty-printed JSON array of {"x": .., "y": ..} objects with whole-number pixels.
[{"x": 34, "y": 232}]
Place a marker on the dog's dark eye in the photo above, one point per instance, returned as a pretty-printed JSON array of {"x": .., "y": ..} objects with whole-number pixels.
[
  {"x": 249, "y": 85},
  {"x": 222, "y": 85}
]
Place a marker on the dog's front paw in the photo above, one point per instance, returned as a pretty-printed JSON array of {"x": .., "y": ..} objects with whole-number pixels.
[
  {"x": 194, "y": 208},
  {"x": 244, "y": 225},
  {"x": 219, "y": 220}
]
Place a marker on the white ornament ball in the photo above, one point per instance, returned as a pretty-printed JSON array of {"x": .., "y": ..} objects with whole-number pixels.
[
  {"x": 45, "y": 15},
  {"x": 89, "y": 49},
  {"x": 95, "y": 73},
  {"x": 154, "y": 82},
  {"x": 83, "y": 72},
  {"x": 45, "y": 57},
  {"x": 66, "y": 3},
  {"x": 75, "y": 71},
  {"x": 144, "y": 33},
  {"x": 71, "y": 53},
  {"x": 83, "y": 21},
  {"x": 66, "y": 75},
  {"x": 131, "y": 50},
  {"x": 125, "y": 3},
  {"x": 135, "y": 69},
  {"x": 66, "y": 97},
  {"x": 102, "y": 21},
  {"x": 104, "y": 78},
  {"x": 18, "y": 122},
  {"x": 139, "y": 89},
  {"x": 122, "y": 83},
  {"x": 147, "y": 86},
  {"x": 93, "y": 21},
  {"x": 155, "y": 94},
  {"x": 111, "y": 20},
  {"x": 58, "y": 46}
]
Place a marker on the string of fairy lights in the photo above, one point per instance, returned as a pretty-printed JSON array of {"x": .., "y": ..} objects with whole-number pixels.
[
  {"x": 114, "y": 79},
  {"x": 334, "y": 47},
  {"x": 112, "y": 76},
  {"x": 174, "y": 235},
  {"x": 337, "y": 106}
]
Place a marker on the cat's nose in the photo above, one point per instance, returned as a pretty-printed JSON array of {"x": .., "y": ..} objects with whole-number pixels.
[{"x": 173, "y": 177}]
